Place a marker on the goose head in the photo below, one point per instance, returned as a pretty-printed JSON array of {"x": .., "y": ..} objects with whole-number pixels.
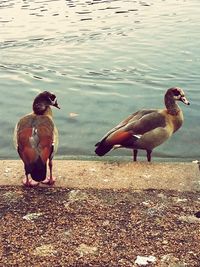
[
  {"x": 177, "y": 94},
  {"x": 43, "y": 101},
  {"x": 172, "y": 96}
]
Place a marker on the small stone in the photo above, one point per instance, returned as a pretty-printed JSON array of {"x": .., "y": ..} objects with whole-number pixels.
[
  {"x": 32, "y": 216},
  {"x": 189, "y": 219},
  {"x": 179, "y": 200},
  {"x": 182, "y": 200},
  {"x": 84, "y": 249},
  {"x": 44, "y": 250},
  {"x": 143, "y": 260},
  {"x": 146, "y": 203},
  {"x": 106, "y": 223},
  {"x": 195, "y": 161}
]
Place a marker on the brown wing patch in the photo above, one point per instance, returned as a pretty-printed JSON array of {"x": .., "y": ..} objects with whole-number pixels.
[
  {"x": 45, "y": 144},
  {"x": 35, "y": 138},
  {"x": 130, "y": 119},
  {"x": 28, "y": 155},
  {"x": 146, "y": 123},
  {"x": 26, "y": 152},
  {"x": 45, "y": 153}
]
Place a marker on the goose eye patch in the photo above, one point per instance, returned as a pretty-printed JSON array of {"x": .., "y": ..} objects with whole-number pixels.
[
  {"x": 176, "y": 92},
  {"x": 52, "y": 97}
]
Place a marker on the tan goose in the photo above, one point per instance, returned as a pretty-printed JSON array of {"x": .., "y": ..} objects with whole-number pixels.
[
  {"x": 36, "y": 140},
  {"x": 146, "y": 129}
]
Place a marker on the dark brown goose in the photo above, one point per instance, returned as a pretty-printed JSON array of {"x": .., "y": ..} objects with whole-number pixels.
[
  {"x": 36, "y": 139},
  {"x": 146, "y": 129}
]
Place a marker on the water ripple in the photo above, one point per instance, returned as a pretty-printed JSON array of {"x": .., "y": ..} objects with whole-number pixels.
[{"x": 104, "y": 60}]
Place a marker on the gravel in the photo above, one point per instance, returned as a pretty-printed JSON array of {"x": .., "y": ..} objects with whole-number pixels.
[{"x": 98, "y": 227}]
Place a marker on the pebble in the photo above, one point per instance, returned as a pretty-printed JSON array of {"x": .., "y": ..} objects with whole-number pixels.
[
  {"x": 146, "y": 203},
  {"x": 44, "y": 250},
  {"x": 143, "y": 260},
  {"x": 189, "y": 219},
  {"x": 106, "y": 223},
  {"x": 182, "y": 200},
  {"x": 32, "y": 216}
]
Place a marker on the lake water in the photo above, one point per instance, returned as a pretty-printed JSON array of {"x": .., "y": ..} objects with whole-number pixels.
[{"x": 103, "y": 60}]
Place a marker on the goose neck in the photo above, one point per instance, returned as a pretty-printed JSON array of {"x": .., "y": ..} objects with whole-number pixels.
[
  {"x": 39, "y": 108},
  {"x": 170, "y": 103}
]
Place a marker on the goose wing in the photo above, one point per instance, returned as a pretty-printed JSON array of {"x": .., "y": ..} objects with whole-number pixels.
[
  {"x": 123, "y": 128},
  {"x": 34, "y": 138},
  {"x": 136, "y": 126}
]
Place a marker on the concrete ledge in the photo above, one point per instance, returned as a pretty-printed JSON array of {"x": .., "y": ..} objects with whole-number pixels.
[{"x": 109, "y": 175}]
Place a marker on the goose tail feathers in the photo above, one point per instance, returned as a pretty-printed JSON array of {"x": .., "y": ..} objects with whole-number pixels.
[
  {"x": 37, "y": 170},
  {"x": 102, "y": 148}
]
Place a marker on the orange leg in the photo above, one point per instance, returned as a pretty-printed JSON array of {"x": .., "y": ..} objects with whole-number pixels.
[
  {"x": 29, "y": 182},
  {"x": 50, "y": 180}
]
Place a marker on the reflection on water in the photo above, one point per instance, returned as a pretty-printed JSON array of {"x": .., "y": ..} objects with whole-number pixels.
[{"x": 104, "y": 60}]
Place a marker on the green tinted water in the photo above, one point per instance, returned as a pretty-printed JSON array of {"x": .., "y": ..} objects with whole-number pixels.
[{"x": 103, "y": 60}]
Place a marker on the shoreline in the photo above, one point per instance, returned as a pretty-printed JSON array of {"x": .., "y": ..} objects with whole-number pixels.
[{"x": 181, "y": 176}]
